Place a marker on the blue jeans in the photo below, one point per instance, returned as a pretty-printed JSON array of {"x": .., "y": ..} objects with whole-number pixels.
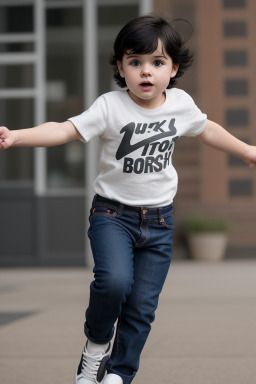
[{"x": 132, "y": 249}]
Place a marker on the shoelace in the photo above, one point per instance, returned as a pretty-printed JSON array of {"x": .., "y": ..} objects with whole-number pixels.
[{"x": 90, "y": 366}]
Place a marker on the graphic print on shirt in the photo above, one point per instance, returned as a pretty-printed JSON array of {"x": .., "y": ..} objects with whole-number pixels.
[{"x": 155, "y": 152}]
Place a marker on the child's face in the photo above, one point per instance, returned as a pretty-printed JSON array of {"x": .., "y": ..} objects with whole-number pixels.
[{"x": 147, "y": 76}]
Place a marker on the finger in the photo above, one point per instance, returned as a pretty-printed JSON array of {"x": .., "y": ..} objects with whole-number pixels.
[
  {"x": 2, "y": 130},
  {"x": 3, "y": 145}
]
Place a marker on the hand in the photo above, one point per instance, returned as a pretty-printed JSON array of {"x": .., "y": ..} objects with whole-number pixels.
[
  {"x": 250, "y": 156},
  {"x": 6, "y": 138}
]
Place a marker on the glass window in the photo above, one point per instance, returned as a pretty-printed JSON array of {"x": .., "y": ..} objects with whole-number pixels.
[
  {"x": 117, "y": 15},
  {"x": 14, "y": 19},
  {"x": 236, "y": 58},
  {"x": 16, "y": 76},
  {"x": 237, "y": 117},
  {"x": 241, "y": 188},
  {"x": 234, "y": 3},
  {"x": 65, "y": 92},
  {"x": 16, "y": 47},
  {"x": 236, "y": 87},
  {"x": 235, "y": 29}
]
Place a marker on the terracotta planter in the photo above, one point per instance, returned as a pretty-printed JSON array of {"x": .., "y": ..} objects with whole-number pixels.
[{"x": 208, "y": 246}]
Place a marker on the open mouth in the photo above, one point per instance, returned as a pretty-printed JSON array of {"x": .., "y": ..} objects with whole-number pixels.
[{"x": 146, "y": 85}]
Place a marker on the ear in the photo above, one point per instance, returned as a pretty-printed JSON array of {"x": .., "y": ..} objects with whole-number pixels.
[
  {"x": 175, "y": 69},
  {"x": 120, "y": 68}
]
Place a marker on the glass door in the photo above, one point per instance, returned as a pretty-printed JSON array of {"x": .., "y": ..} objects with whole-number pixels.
[{"x": 17, "y": 88}]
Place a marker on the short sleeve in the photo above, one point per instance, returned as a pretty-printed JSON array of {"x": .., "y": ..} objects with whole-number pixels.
[
  {"x": 92, "y": 122},
  {"x": 196, "y": 119}
]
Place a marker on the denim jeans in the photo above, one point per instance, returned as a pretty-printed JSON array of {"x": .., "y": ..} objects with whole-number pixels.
[{"x": 132, "y": 249}]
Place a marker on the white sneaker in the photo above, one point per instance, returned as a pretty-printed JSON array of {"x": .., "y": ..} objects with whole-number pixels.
[
  {"x": 92, "y": 367},
  {"x": 111, "y": 378}
]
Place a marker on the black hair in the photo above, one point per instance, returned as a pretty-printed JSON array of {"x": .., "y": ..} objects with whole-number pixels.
[{"x": 141, "y": 35}]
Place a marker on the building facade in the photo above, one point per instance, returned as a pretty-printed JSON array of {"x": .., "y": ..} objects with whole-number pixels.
[
  {"x": 223, "y": 83},
  {"x": 54, "y": 62}
]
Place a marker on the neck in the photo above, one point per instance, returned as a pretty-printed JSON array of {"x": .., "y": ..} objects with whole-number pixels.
[{"x": 148, "y": 104}]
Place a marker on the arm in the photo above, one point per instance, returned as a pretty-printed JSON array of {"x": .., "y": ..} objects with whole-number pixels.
[
  {"x": 45, "y": 135},
  {"x": 217, "y": 137}
]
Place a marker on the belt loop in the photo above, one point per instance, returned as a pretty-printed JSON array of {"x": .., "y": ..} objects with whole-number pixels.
[
  {"x": 121, "y": 209},
  {"x": 159, "y": 214}
]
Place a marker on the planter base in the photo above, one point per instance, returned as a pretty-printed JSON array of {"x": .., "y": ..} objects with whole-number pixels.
[{"x": 208, "y": 246}]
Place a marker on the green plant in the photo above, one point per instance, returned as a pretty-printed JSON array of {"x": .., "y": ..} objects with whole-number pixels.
[{"x": 198, "y": 224}]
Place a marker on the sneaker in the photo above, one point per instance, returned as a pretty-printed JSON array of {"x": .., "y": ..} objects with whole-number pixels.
[
  {"x": 92, "y": 367},
  {"x": 111, "y": 378}
]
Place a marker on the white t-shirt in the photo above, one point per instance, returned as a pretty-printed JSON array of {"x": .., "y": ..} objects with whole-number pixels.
[{"x": 136, "y": 145}]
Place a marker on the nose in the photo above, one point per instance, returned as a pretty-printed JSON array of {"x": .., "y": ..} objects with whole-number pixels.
[{"x": 146, "y": 70}]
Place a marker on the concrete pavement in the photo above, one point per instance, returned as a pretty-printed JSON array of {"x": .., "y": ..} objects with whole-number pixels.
[{"x": 204, "y": 333}]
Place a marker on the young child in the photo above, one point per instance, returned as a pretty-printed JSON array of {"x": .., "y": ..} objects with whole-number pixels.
[{"x": 131, "y": 220}]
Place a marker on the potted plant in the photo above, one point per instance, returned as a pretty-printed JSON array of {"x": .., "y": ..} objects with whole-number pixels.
[{"x": 207, "y": 238}]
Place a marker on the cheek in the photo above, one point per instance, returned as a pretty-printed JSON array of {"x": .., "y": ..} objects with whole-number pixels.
[
  {"x": 130, "y": 76},
  {"x": 165, "y": 78}
]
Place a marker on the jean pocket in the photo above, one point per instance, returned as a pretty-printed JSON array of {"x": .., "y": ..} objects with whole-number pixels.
[
  {"x": 102, "y": 211},
  {"x": 167, "y": 222}
]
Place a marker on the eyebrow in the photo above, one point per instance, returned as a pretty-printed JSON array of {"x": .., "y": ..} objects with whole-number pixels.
[{"x": 133, "y": 55}]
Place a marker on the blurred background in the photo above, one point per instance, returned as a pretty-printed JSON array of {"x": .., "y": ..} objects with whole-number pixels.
[{"x": 53, "y": 64}]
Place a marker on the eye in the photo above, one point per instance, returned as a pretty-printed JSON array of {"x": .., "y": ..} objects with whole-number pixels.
[
  {"x": 158, "y": 63},
  {"x": 135, "y": 63}
]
